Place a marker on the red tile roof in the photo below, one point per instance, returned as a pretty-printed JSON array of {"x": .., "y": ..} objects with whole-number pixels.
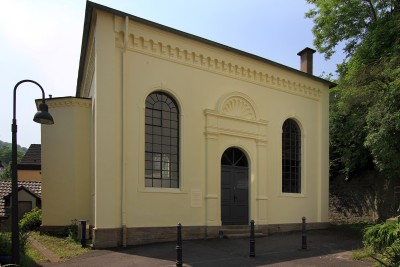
[{"x": 35, "y": 187}]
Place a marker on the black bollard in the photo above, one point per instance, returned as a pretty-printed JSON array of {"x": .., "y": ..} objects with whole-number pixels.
[
  {"x": 303, "y": 234},
  {"x": 252, "y": 240},
  {"x": 83, "y": 233},
  {"x": 179, "y": 246}
]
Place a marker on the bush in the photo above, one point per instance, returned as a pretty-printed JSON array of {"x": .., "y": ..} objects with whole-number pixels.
[
  {"x": 71, "y": 231},
  {"x": 381, "y": 235},
  {"x": 31, "y": 220},
  {"x": 6, "y": 246},
  {"x": 391, "y": 255},
  {"x": 5, "y": 243}
]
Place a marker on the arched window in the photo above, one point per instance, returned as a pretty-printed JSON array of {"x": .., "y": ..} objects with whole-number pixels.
[
  {"x": 161, "y": 141},
  {"x": 291, "y": 157},
  {"x": 234, "y": 157}
]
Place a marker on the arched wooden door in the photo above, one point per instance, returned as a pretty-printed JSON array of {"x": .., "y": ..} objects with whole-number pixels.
[{"x": 234, "y": 187}]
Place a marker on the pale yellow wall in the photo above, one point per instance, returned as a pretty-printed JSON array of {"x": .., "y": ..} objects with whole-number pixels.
[
  {"x": 107, "y": 132},
  {"x": 66, "y": 162},
  {"x": 200, "y": 77},
  {"x": 29, "y": 175}
]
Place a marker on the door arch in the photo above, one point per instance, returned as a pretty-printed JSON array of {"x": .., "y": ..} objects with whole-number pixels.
[{"x": 234, "y": 187}]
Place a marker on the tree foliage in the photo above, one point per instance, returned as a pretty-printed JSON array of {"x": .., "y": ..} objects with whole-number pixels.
[
  {"x": 6, "y": 159},
  {"x": 365, "y": 106},
  {"x": 346, "y": 21}
]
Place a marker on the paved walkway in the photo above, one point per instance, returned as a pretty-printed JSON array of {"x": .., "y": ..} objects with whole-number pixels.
[
  {"x": 325, "y": 248},
  {"x": 46, "y": 252}
]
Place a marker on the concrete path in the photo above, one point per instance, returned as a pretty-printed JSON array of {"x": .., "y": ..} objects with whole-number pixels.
[
  {"x": 46, "y": 252},
  {"x": 325, "y": 248}
]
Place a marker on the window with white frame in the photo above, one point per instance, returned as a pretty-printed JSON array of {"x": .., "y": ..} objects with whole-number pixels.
[
  {"x": 291, "y": 157},
  {"x": 161, "y": 141}
]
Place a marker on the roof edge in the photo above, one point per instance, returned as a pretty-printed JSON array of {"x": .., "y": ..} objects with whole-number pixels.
[{"x": 86, "y": 29}]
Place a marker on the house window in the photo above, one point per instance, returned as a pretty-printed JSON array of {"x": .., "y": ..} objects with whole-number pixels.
[
  {"x": 161, "y": 141},
  {"x": 291, "y": 157}
]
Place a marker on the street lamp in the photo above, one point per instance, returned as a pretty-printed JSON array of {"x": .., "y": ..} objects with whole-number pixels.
[{"x": 42, "y": 116}]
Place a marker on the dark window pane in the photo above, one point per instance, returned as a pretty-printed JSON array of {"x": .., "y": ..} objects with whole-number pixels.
[
  {"x": 166, "y": 132},
  {"x": 157, "y": 105},
  {"x": 156, "y": 182},
  {"x": 157, "y": 130},
  {"x": 148, "y": 182},
  {"x": 148, "y": 146},
  {"x": 174, "y": 150},
  {"x": 149, "y": 156},
  {"x": 157, "y": 114},
  {"x": 148, "y": 129},
  {"x": 167, "y": 115},
  {"x": 157, "y": 148},
  {"x": 174, "y": 167},
  {"x": 161, "y": 141},
  {"x": 156, "y": 122},
  {"x": 166, "y": 183},
  {"x": 291, "y": 157},
  {"x": 174, "y": 183},
  {"x": 157, "y": 139},
  {"x": 166, "y": 140},
  {"x": 148, "y": 113},
  {"x": 148, "y": 165},
  {"x": 234, "y": 157},
  {"x": 166, "y": 149},
  {"x": 148, "y": 120},
  {"x": 148, "y": 173}
]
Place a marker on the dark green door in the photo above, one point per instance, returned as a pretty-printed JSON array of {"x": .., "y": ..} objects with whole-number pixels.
[{"x": 234, "y": 188}]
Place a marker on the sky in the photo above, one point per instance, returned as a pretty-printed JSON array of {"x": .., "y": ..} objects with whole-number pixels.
[{"x": 41, "y": 40}]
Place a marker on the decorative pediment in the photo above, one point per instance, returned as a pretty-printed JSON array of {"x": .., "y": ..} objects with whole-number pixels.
[
  {"x": 239, "y": 107},
  {"x": 236, "y": 115}
]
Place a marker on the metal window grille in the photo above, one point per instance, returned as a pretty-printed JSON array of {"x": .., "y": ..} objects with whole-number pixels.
[
  {"x": 161, "y": 141},
  {"x": 291, "y": 157},
  {"x": 234, "y": 157}
]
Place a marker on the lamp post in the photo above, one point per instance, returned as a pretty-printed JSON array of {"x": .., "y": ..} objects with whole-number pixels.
[{"x": 42, "y": 116}]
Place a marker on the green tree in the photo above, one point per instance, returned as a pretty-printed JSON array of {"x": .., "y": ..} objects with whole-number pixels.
[
  {"x": 6, "y": 159},
  {"x": 365, "y": 106},
  {"x": 346, "y": 21}
]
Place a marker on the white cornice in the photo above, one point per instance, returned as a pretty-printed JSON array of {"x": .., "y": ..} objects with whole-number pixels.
[
  {"x": 198, "y": 60},
  {"x": 69, "y": 102}
]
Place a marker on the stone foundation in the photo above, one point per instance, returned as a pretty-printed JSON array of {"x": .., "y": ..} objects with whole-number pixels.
[{"x": 107, "y": 238}]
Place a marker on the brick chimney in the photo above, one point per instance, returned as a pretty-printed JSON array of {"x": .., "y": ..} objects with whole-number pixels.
[{"x": 306, "y": 60}]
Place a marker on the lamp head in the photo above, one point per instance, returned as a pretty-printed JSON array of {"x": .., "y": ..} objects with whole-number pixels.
[{"x": 43, "y": 116}]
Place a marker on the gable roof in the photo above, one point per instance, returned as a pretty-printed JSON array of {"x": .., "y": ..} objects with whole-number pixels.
[
  {"x": 32, "y": 187},
  {"x": 90, "y": 6},
  {"x": 32, "y": 158}
]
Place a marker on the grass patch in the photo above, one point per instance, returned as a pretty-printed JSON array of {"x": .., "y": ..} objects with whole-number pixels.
[
  {"x": 34, "y": 254},
  {"x": 64, "y": 248},
  {"x": 363, "y": 254},
  {"x": 357, "y": 227}
]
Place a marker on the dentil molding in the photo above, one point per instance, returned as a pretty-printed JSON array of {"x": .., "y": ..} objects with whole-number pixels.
[{"x": 205, "y": 62}]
